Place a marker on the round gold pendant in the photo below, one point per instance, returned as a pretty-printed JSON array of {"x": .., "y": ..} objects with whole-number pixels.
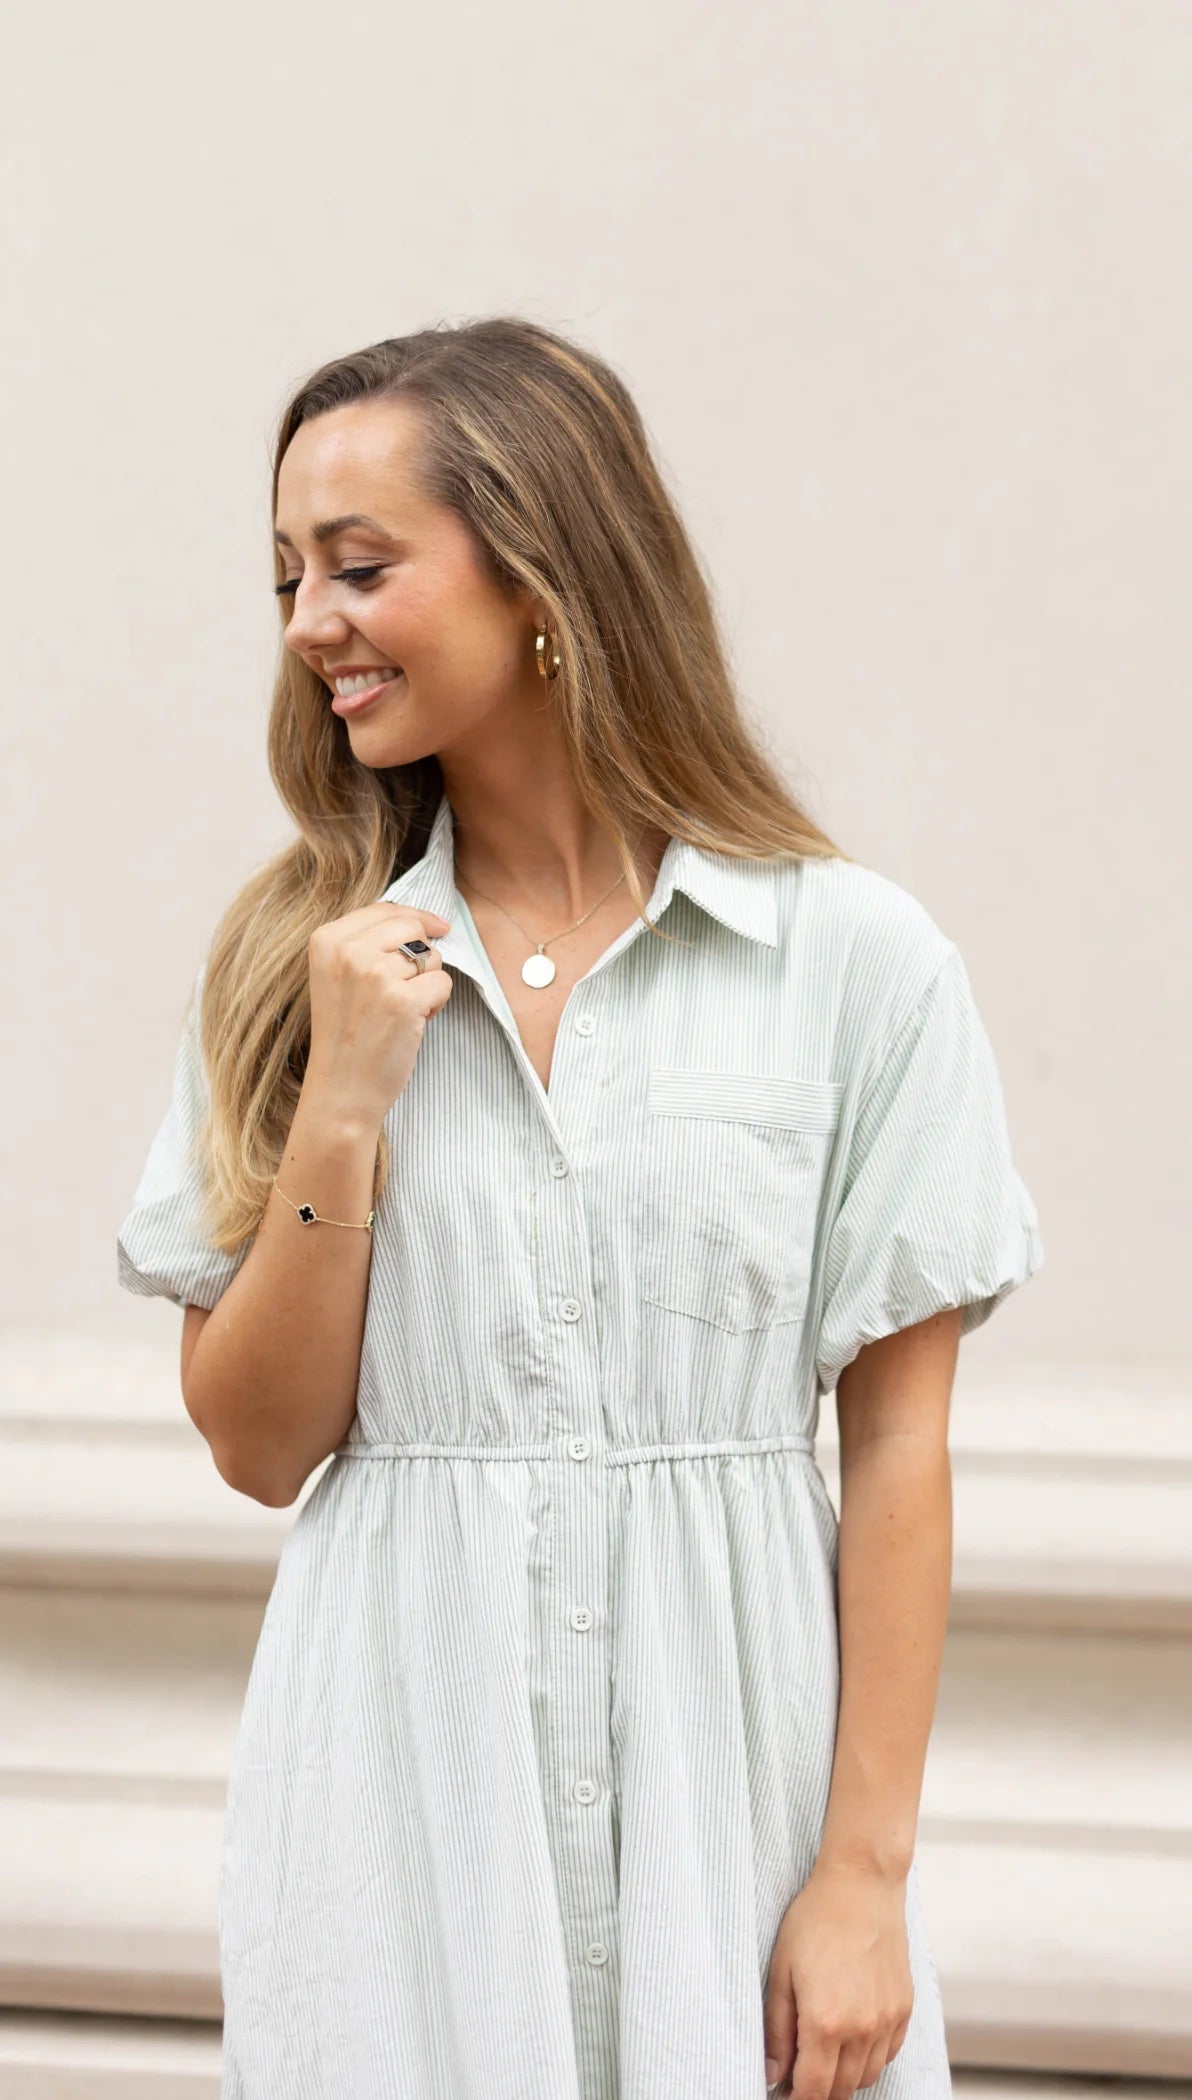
[{"x": 538, "y": 970}]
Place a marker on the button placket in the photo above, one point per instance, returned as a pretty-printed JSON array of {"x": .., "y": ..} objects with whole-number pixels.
[{"x": 576, "y": 1584}]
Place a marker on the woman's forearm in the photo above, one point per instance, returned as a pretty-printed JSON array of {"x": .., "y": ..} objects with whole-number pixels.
[
  {"x": 895, "y": 1573},
  {"x": 273, "y": 1377}
]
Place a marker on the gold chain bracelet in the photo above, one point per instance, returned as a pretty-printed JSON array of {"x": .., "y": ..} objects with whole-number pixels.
[{"x": 310, "y": 1216}]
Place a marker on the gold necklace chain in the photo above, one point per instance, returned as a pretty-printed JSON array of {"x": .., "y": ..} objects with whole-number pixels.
[
  {"x": 541, "y": 946},
  {"x": 539, "y": 969}
]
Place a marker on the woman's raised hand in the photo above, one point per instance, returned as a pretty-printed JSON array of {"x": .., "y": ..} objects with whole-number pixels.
[{"x": 369, "y": 1006}]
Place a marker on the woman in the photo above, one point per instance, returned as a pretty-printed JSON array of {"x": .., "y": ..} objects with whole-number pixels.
[{"x": 556, "y": 1121}]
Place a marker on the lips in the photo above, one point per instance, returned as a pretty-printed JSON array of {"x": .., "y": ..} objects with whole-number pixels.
[{"x": 350, "y": 703}]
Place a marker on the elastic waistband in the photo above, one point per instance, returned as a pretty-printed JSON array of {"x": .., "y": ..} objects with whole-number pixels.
[{"x": 619, "y": 1455}]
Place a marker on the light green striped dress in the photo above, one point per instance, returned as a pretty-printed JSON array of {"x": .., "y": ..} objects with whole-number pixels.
[{"x": 536, "y": 1746}]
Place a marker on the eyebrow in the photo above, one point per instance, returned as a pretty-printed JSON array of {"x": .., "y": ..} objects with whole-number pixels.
[{"x": 330, "y": 526}]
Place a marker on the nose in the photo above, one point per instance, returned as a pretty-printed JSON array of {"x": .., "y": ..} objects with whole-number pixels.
[{"x": 314, "y": 624}]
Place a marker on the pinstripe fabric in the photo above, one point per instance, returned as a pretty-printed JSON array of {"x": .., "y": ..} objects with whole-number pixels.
[{"x": 536, "y": 1745}]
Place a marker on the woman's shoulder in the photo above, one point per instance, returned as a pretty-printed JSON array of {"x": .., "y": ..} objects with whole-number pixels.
[{"x": 872, "y": 936}]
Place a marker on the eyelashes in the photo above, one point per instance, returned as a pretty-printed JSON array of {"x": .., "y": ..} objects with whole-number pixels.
[{"x": 359, "y": 579}]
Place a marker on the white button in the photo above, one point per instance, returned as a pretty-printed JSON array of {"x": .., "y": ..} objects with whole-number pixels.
[
  {"x": 596, "y": 1952},
  {"x": 578, "y": 1446},
  {"x": 585, "y": 1024},
  {"x": 584, "y": 1790},
  {"x": 571, "y": 1309},
  {"x": 559, "y": 1166},
  {"x": 581, "y": 1617}
]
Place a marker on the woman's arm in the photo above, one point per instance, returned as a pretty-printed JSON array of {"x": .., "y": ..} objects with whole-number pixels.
[
  {"x": 895, "y": 1579},
  {"x": 840, "y": 1973}
]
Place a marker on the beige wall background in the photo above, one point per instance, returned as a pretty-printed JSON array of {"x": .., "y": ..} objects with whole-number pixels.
[
  {"x": 903, "y": 294},
  {"x": 902, "y": 289}
]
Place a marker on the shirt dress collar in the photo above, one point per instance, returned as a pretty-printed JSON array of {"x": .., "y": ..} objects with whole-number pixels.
[{"x": 742, "y": 894}]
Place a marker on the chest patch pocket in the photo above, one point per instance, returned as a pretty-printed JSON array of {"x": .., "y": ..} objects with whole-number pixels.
[{"x": 734, "y": 1165}]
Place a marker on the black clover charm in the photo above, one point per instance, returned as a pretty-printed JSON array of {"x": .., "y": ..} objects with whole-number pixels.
[{"x": 308, "y": 1214}]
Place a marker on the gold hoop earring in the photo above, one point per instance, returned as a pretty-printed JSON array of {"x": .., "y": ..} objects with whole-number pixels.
[{"x": 548, "y": 667}]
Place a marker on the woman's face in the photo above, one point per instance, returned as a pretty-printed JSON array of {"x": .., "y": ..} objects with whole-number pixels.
[{"x": 425, "y": 609}]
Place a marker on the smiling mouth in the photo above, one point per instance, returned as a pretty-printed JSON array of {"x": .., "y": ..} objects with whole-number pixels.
[
  {"x": 348, "y": 703},
  {"x": 359, "y": 681}
]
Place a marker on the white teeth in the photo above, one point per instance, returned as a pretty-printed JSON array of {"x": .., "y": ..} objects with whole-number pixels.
[{"x": 361, "y": 683}]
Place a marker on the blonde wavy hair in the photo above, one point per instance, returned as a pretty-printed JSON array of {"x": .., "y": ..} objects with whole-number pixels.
[{"x": 536, "y": 444}]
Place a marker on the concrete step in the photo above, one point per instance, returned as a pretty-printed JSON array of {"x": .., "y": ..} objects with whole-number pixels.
[
  {"x": 1026, "y": 2085},
  {"x": 70, "y": 2056}
]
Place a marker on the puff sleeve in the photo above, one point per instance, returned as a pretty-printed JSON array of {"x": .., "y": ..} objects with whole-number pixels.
[
  {"x": 162, "y": 1248},
  {"x": 933, "y": 1214}
]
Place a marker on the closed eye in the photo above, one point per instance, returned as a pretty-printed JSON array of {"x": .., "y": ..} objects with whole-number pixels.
[{"x": 359, "y": 579}]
